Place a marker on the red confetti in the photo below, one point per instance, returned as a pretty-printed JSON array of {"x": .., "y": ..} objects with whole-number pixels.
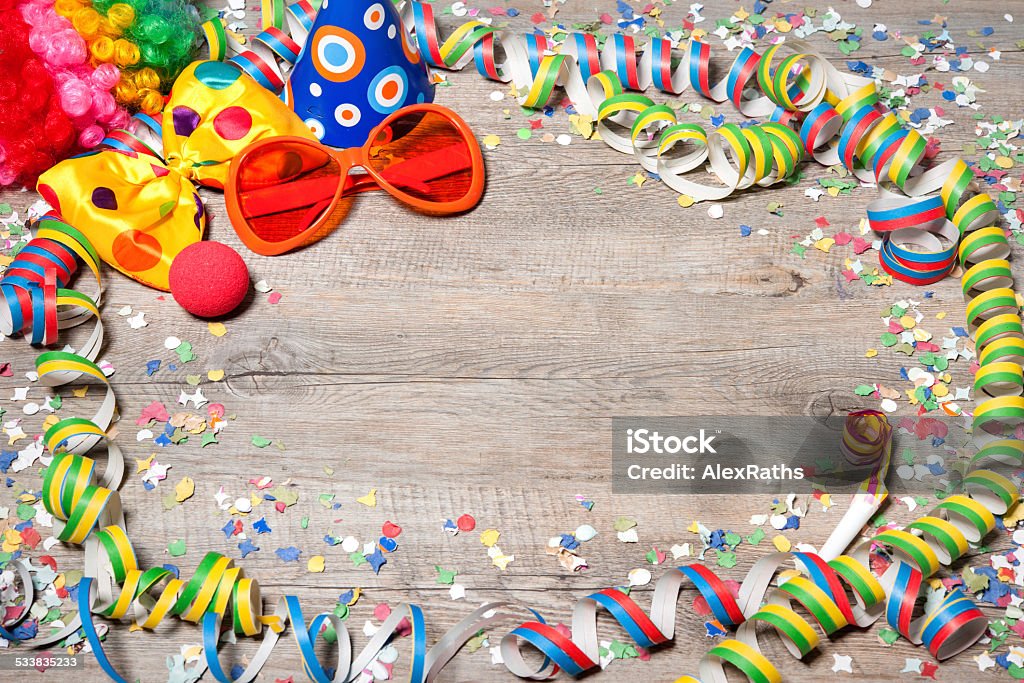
[
  {"x": 274, "y": 298},
  {"x": 607, "y": 19},
  {"x": 860, "y": 245},
  {"x": 391, "y": 530},
  {"x": 466, "y": 523},
  {"x": 821, "y": 222},
  {"x": 538, "y": 18},
  {"x": 31, "y": 538},
  {"x": 843, "y": 238},
  {"x": 929, "y": 669},
  {"x": 701, "y": 607},
  {"x": 48, "y": 560},
  {"x": 382, "y": 611},
  {"x": 280, "y": 506}
]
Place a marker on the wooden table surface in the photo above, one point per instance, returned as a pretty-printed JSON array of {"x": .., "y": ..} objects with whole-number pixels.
[{"x": 473, "y": 365}]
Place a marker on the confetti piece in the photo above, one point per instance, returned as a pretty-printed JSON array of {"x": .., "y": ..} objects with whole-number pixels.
[
  {"x": 842, "y": 663},
  {"x": 176, "y": 548},
  {"x": 369, "y": 500},
  {"x": 316, "y": 564},
  {"x": 782, "y": 544},
  {"x": 466, "y": 523},
  {"x": 217, "y": 329},
  {"x": 184, "y": 490},
  {"x": 489, "y": 537}
]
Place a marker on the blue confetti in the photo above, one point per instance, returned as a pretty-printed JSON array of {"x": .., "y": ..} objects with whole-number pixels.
[
  {"x": 162, "y": 440},
  {"x": 904, "y": 375},
  {"x": 880, "y": 36},
  {"x": 376, "y": 560},
  {"x": 260, "y": 526},
  {"x": 792, "y": 522},
  {"x": 27, "y": 631},
  {"x": 151, "y": 367},
  {"x": 987, "y": 31},
  {"x": 569, "y": 542},
  {"x": 959, "y": 331},
  {"x": 172, "y": 367},
  {"x": 512, "y": 12},
  {"x": 148, "y": 485},
  {"x": 449, "y": 525},
  {"x": 714, "y": 629},
  {"x": 389, "y": 545},
  {"x": 6, "y": 458},
  {"x": 289, "y": 554},
  {"x": 173, "y": 570},
  {"x": 744, "y": 231},
  {"x": 718, "y": 120},
  {"x": 247, "y": 546},
  {"x": 229, "y": 528},
  {"x": 236, "y": 672}
]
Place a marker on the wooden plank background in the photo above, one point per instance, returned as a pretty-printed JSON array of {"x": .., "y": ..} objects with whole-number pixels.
[{"x": 473, "y": 365}]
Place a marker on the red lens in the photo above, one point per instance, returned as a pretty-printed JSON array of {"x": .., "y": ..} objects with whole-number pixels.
[
  {"x": 286, "y": 188},
  {"x": 424, "y": 155}
]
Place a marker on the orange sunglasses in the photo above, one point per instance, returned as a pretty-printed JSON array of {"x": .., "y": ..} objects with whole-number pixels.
[{"x": 286, "y": 192}]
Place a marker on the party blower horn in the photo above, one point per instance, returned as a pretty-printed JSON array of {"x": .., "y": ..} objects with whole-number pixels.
[{"x": 358, "y": 66}]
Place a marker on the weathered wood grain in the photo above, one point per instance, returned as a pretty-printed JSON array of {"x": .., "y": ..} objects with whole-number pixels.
[{"x": 473, "y": 365}]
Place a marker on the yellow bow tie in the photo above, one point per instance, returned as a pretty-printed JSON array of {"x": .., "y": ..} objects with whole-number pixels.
[{"x": 136, "y": 202}]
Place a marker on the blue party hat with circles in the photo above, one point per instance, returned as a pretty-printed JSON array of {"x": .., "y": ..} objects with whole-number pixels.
[{"x": 358, "y": 66}]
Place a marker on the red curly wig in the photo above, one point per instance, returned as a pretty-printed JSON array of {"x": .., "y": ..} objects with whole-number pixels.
[{"x": 35, "y": 133}]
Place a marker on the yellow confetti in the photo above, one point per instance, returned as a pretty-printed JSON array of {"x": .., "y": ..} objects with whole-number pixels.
[
  {"x": 501, "y": 561},
  {"x": 871, "y": 353},
  {"x": 1004, "y": 162},
  {"x": 941, "y": 315},
  {"x": 782, "y": 544},
  {"x": 491, "y": 141},
  {"x": 489, "y": 537},
  {"x": 638, "y": 179},
  {"x": 185, "y": 489},
  {"x": 833, "y": 191},
  {"x": 369, "y": 500},
  {"x": 826, "y": 500},
  {"x": 80, "y": 392},
  {"x": 316, "y": 564},
  {"x": 133, "y": 627},
  {"x": 191, "y": 652},
  {"x": 12, "y": 541},
  {"x": 908, "y": 322},
  {"x": 215, "y": 375},
  {"x": 49, "y": 422},
  {"x": 939, "y": 389},
  {"x": 217, "y": 329},
  {"x": 356, "y": 592},
  {"x": 921, "y": 334},
  {"x": 824, "y": 244},
  {"x": 741, "y": 14},
  {"x": 144, "y": 465},
  {"x": 685, "y": 201}
]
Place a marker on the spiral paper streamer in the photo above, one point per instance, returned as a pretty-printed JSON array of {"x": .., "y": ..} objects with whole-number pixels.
[
  {"x": 838, "y": 119},
  {"x": 268, "y": 56},
  {"x": 33, "y": 295}
]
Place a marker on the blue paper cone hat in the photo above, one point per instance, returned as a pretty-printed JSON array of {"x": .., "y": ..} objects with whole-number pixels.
[{"x": 358, "y": 66}]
